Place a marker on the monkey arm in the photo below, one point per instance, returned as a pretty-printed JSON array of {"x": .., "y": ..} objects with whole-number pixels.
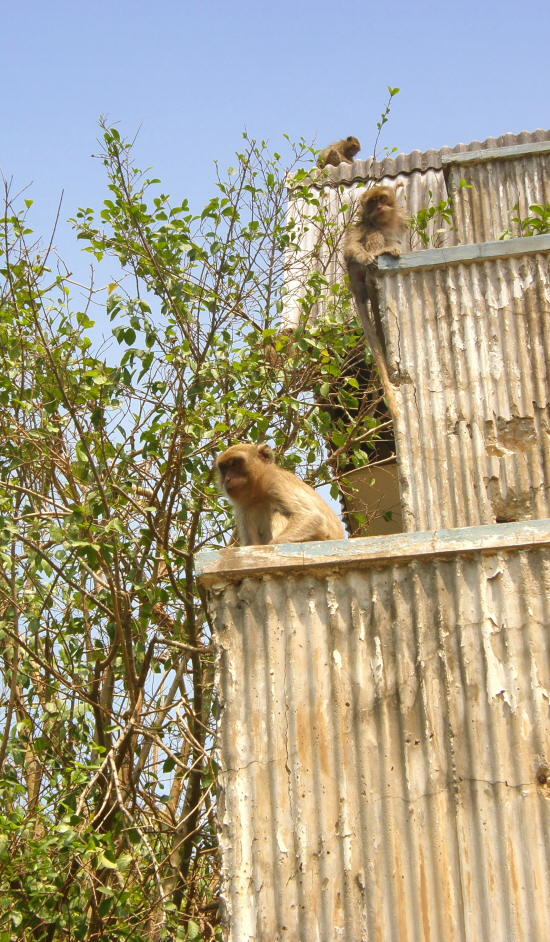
[
  {"x": 361, "y": 247},
  {"x": 393, "y": 245},
  {"x": 356, "y": 254},
  {"x": 360, "y": 257},
  {"x": 375, "y": 245},
  {"x": 248, "y": 535},
  {"x": 254, "y": 525}
]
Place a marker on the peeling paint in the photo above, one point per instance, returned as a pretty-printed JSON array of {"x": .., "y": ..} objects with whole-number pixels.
[
  {"x": 332, "y": 603},
  {"x": 496, "y": 681},
  {"x": 377, "y": 663}
]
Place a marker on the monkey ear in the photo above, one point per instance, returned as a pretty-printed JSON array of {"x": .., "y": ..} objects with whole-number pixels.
[{"x": 265, "y": 452}]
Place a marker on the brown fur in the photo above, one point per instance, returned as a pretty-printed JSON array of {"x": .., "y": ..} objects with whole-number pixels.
[
  {"x": 271, "y": 504},
  {"x": 340, "y": 152},
  {"x": 378, "y": 228}
]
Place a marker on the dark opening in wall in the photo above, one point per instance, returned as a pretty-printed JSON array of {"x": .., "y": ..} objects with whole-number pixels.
[{"x": 369, "y": 496}]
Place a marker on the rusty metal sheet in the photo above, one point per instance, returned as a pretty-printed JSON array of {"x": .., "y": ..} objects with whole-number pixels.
[
  {"x": 384, "y": 739},
  {"x": 468, "y": 350}
]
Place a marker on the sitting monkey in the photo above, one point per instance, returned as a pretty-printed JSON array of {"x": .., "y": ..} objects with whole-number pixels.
[
  {"x": 339, "y": 152},
  {"x": 271, "y": 504}
]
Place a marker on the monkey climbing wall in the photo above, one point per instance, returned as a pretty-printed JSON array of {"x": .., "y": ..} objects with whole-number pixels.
[
  {"x": 384, "y": 739},
  {"x": 501, "y": 172}
]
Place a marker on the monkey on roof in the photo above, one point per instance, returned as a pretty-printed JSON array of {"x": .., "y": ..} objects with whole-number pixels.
[{"x": 340, "y": 152}]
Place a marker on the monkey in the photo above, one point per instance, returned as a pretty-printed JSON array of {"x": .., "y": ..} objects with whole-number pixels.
[
  {"x": 377, "y": 230},
  {"x": 271, "y": 504},
  {"x": 339, "y": 152}
]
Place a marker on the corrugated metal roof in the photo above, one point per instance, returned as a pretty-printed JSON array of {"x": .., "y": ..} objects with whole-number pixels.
[
  {"x": 384, "y": 740},
  {"x": 361, "y": 170}
]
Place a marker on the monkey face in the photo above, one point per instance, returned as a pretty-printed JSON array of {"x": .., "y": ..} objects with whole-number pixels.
[
  {"x": 239, "y": 467},
  {"x": 234, "y": 477},
  {"x": 378, "y": 206},
  {"x": 352, "y": 147}
]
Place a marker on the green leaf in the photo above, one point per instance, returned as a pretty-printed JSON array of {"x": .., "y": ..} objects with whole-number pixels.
[{"x": 104, "y": 861}]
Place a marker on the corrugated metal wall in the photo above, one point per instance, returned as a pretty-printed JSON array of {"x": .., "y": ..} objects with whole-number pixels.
[
  {"x": 468, "y": 351},
  {"x": 384, "y": 737},
  {"x": 499, "y": 180}
]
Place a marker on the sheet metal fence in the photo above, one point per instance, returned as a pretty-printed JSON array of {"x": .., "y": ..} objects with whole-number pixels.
[{"x": 384, "y": 737}]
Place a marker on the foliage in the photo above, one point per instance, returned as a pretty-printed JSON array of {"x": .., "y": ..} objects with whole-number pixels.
[
  {"x": 432, "y": 222},
  {"x": 384, "y": 118},
  {"x": 107, "y": 769},
  {"x": 538, "y": 223}
]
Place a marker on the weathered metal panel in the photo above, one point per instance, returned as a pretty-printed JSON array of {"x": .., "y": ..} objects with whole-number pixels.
[
  {"x": 319, "y": 234},
  {"x": 468, "y": 350},
  {"x": 384, "y": 737},
  {"x": 499, "y": 180}
]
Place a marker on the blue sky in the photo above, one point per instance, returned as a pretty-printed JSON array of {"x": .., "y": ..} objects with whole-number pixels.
[{"x": 190, "y": 76}]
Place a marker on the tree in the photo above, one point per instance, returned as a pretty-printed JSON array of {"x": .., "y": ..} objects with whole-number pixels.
[{"x": 107, "y": 769}]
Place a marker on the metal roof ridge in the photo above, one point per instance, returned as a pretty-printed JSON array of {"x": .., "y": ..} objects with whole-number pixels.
[{"x": 431, "y": 159}]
